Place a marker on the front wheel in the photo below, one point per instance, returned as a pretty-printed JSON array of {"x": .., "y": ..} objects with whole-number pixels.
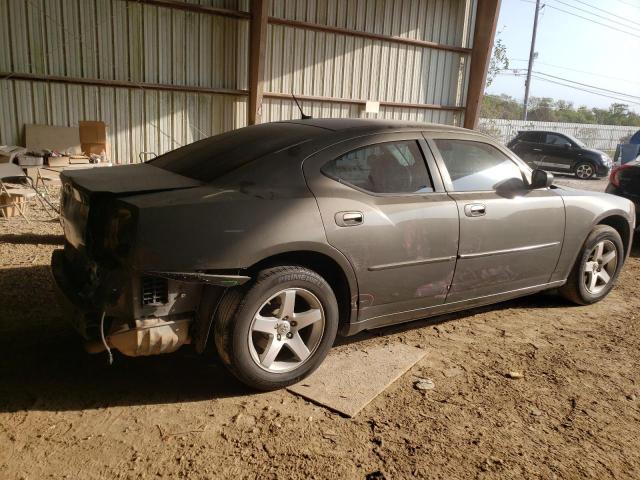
[
  {"x": 279, "y": 330},
  {"x": 596, "y": 268},
  {"x": 585, "y": 171}
]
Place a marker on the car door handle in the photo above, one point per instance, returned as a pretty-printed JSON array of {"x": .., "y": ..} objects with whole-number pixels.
[
  {"x": 349, "y": 219},
  {"x": 475, "y": 210},
  {"x": 536, "y": 149}
]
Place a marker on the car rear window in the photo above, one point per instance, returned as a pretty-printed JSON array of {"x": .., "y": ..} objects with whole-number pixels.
[{"x": 215, "y": 156}]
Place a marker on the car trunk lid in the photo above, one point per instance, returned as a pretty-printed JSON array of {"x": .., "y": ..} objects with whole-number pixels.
[{"x": 83, "y": 190}]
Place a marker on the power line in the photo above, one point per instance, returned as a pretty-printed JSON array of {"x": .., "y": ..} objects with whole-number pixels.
[
  {"x": 634, "y": 24},
  {"x": 586, "y": 90},
  {"x": 576, "y": 70},
  {"x": 516, "y": 72},
  {"x": 592, "y": 21},
  {"x": 597, "y": 93},
  {"x": 629, "y": 4},
  {"x": 590, "y": 86}
]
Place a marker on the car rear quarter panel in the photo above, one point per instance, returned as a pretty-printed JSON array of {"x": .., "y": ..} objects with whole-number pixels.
[
  {"x": 258, "y": 211},
  {"x": 584, "y": 210}
]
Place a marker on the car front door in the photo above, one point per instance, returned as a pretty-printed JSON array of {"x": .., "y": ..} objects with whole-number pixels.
[
  {"x": 384, "y": 207},
  {"x": 510, "y": 236}
]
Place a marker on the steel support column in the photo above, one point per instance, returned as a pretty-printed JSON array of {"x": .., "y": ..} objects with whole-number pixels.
[
  {"x": 257, "y": 45},
  {"x": 485, "y": 30}
]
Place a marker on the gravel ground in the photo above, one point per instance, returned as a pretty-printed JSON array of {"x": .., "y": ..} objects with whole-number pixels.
[{"x": 575, "y": 413}]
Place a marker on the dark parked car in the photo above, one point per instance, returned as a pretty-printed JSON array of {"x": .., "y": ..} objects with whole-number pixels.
[
  {"x": 272, "y": 238},
  {"x": 625, "y": 182},
  {"x": 559, "y": 152}
]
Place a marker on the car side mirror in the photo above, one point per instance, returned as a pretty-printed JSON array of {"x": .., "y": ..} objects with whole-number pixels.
[{"x": 540, "y": 179}]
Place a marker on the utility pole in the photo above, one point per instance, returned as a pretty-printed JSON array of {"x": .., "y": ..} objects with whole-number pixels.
[{"x": 532, "y": 55}]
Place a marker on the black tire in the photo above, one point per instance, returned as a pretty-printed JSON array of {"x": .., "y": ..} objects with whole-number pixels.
[
  {"x": 575, "y": 289},
  {"x": 580, "y": 167},
  {"x": 236, "y": 312}
]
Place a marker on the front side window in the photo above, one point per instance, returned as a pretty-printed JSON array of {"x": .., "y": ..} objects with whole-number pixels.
[
  {"x": 391, "y": 167},
  {"x": 476, "y": 166},
  {"x": 554, "y": 139}
]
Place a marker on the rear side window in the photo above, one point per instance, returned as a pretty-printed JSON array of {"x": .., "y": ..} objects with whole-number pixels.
[
  {"x": 390, "y": 167},
  {"x": 529, "y": 137},
  {"x": 476, "y": 166}
]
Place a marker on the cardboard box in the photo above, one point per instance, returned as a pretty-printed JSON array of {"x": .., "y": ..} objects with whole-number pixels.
[
  {"x": 58, "y": 161},
  {"x": 93, "y": 137},
  {"x": 78, "y": 159}
]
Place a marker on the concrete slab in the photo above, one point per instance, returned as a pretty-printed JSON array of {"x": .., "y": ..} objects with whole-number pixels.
[{"x": 347, "y": 381}]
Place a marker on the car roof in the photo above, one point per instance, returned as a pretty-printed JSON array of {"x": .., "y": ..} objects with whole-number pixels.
[{"x": 366, "y": 125}]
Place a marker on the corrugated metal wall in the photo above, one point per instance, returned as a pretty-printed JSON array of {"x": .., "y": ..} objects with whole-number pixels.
[
  {"x": 601, "y": 137},
  {"x": 307, "y": 62},
  {"x": 118, "y": 40},
  {"x": 127, "y": 41}
]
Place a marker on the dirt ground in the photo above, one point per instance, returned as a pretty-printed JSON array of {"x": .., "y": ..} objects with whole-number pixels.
[{"x": 574, "y": 414}]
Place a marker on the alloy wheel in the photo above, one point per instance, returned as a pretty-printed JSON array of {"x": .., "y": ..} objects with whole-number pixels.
[
  {"x": 600, "y": 266},
  {"x": 584, "y": 171},
  {"x": 286, "y": 330}
]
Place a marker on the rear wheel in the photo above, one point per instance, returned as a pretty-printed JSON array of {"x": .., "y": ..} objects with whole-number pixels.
[
  {"x": 585, "y": 170},
  {"x": 596, "y": 268},
  {"x": 279, "y": 330}
]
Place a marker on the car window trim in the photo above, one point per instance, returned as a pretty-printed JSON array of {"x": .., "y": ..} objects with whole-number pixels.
[
  {"x": 446, "y": 178},
  {"x": 417, "y": 138}
]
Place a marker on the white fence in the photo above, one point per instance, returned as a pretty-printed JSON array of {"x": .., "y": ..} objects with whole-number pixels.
[{"x": 601, "y": 137}]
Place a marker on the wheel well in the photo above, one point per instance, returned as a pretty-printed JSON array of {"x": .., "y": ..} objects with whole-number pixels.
[
  {"x": 324, "y": 265},
  {"x": 621, "y": 225}
]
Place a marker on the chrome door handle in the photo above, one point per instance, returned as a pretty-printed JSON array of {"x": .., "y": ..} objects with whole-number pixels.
[
  {"x": 536, "y": 149},
  {"x": 349, "y": 219},
  {"x": 475, "y": 210}
]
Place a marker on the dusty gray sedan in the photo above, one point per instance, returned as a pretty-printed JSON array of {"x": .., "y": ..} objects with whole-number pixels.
[{"x": 269, "y": 240}]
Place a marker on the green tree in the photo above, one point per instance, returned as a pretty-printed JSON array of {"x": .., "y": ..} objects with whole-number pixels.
[
  {"x": 499, "y": 59},
  {"x": 547, "y": 109}
]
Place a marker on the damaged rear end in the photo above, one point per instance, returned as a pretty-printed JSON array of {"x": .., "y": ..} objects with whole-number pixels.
[{"x": 110, "y": 301}]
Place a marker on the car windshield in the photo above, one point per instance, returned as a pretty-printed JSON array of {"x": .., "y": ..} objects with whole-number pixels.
[{"x": 215, "y": 156}]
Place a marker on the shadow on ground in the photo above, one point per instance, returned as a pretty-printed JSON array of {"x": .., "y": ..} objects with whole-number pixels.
[
  {"x": 44, "y": 367},
  {"x": 32, "y": 239}
]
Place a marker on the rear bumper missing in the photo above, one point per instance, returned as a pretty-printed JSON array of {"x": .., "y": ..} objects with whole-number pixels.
[
  {"x": 137, "y": 322},
  {"x": 82, "y": 316}
]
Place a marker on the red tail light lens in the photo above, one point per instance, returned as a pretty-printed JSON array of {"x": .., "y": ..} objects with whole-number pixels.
[{"x": 614, "y": 178}]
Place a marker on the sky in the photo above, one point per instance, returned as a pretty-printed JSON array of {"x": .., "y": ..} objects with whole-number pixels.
[{"x": 573, "y": 48}]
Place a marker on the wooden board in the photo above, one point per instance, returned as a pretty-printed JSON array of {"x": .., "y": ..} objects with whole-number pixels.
[
  {"x": 60, "y": 139},
  {"x": 347, "y": 381}
]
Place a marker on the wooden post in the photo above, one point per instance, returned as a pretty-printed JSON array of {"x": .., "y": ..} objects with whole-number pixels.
[
  {"x": 485, "y": 30},
  {"x": 257, "y": 45}
]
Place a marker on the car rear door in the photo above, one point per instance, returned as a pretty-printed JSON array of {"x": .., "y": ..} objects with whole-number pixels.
[
  {"x": 557, "y": 155},
  {"x": 510, "y": 236},
  {"x": 384, "y": 207},
  {"x": 528, "y": 147}
]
